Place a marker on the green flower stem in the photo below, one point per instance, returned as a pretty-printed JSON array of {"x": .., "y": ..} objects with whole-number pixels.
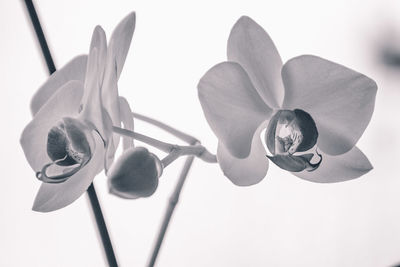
[
  {"x": 171, "y": 157},
  {"x": 195, "y": 150},
  {"x": 178, "y": 134},
  {"x": 173, "y": 201},
  {"x": 174, "y": 198}
]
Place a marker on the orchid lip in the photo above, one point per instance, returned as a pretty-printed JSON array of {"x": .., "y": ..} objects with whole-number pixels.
[
  {"x": 56, "y": 179},
  {"x": 297, "y": 163},
  {"x": 291, "y": 137},
  {"x": 68, "y": 147}
]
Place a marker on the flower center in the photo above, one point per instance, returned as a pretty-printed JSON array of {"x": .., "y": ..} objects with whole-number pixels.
[
  {"x": 68, "y": 148},
  {"x": 290, "y": 137}
]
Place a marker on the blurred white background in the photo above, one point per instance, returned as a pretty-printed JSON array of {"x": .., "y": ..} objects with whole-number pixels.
[{"x": 283, "y": 221}]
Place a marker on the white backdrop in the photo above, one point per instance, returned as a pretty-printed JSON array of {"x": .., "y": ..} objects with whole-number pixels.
[{"x": 283, "y": 221}]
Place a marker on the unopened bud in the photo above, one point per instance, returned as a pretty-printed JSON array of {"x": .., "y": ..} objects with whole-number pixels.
[{"x": 135, "y": 174}]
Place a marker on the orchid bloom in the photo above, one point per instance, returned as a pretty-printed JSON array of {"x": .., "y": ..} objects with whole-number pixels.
[
  {"x": 69, "y": 140},
  {"x": 313, "y": 111}
]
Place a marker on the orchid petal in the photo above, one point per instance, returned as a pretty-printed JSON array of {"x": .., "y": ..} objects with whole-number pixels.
[
  {"x": 56, "y": 196},
  {"x": 110, "y": 100},
  {"x": 116, "y": 54},
  {"x": 99, "y": 42},
  {"x": 127, "y": 120},
  {"x": 332, "y": 169},
  {"x": 251, "y": 47},
  {"x": 110, "y": 144},
  {"x": 105, "y": 118},
  {"x": 73, "y": 70},
  {"x": 95, "y": 67},
  {"x": 93, "y": 110},
  {"x": 120, "y": 42},
  {"x": 232, "y": 107},
  {"x": 247, "y": 171},
  {"x": 63, "y": 103},
  {"x": 340, "y": 100}
]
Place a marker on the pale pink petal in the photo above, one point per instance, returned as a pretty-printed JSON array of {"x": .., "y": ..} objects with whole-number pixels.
[
  {"x": 340, "y": 100},
  {"x": 120, "y": 42},
  {"x": 116, "y": 54},
  {"x": 56, "y": 196},
  {"x": 73, "y": 70},
  {"x": 348, "y": 166},
  {"x": 109, "y": 140},
  {"x": 127, "y": 120},
  {"x": 95, "y": 68},
  {"x": 110, "y": 101},
  {"x": 251, "y": 47},
  {"x": 99, "y": 42},
  {"x": 93, "y": 110},
  {"x": 63, "y": 103},
  {"x": 232, "y": 106},
  {"x": 247, "y": 171}
]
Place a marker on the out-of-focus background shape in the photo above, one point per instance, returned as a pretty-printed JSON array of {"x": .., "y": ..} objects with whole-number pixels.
[{"x": 283, "y": 221}]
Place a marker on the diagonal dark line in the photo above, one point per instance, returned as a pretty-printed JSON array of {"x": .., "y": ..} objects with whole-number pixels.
[
  {"x": 94, "y": 201},
  {"x": 40, "y": 35},
  {"x": 102, "y": 227}
]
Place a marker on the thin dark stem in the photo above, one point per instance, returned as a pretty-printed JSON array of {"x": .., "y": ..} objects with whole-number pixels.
[
  {"x": 40, "y": 35},
  {"x": 101, "y": 225},
  {"x": 94, "y": 202},
  {"x": 173, "y": 201}
]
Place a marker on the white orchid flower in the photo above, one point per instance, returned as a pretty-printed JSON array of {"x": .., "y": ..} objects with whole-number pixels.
[
  {"x": 314, "y": 111},
  {"x": 70, "y": 140}
]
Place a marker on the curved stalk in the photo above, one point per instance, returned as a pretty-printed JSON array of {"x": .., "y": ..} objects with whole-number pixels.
[
  {"x": 173, "y": 201},
  {"x": 178, "y": 134},
  {"x": 195, "y": 150}
]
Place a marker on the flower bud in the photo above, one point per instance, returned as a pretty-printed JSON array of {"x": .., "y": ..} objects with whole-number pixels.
[{"x": 135, "y": 174}]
